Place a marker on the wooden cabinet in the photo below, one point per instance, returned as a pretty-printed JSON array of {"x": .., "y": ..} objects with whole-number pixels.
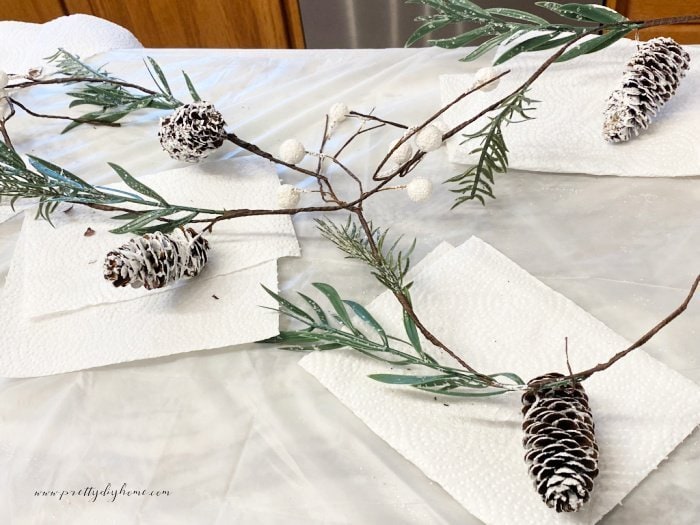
[
  {"x": 647, "y": 9},
  {"x": 181, "y": 23}
]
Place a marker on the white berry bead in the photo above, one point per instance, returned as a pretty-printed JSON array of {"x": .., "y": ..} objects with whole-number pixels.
[
  {"x": 402, "y": 154},
  {"x": 3, "y": 79},
  {"x": 292, "y": 151},
  {"x": 419, "y": 189},
  {"x": 429, "y": 138},
  {"x": 338, "y": 112},
  {"x": 484, "y": 75},
  {"x": 288, "y": 196}
]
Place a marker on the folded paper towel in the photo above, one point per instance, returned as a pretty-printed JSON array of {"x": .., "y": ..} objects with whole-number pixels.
[
  {"x": 64, "y": 272},
  {"x": 24, "y": 45},
  {"x": 500, "y": 318},
  {"x": 566, "y": 133},
  {"x": 209, "y": 313}
]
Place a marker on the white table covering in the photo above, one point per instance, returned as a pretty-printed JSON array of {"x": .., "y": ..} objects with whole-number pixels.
[{"x": 246, "y": 436}]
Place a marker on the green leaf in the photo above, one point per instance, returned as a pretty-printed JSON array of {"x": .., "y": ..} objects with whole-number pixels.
[
  {"x": 146, "y": 218},
  {"x": 337, "y": 304},
  {"x": 487, "y": 46},
  {"x": 105, "y": 118},
  {"x": 288, "y": 305},
  {"x": 163, "y": 86},
  {"x": 10, "y": 157},
  {"x": 322, "y": 317},
  {"x": 401, "y": 379},
  {"x": 594, "y": 44},
  {"x": 363, "y": 314},
  {"x": 516, "y": 14},
  {"x": 167, "y": 227},
  {"x": 190, "y": 86},
  {"x": 463, "y": 39},
  {"x": 135, "y": 184},
  {"x": 56, "y": 172},
  {"x": 585, "y": 12},
  {"x": 526, "y": 45}
]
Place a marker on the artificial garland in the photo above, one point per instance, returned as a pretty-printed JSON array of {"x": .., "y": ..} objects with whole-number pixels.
[{"x": 559, "y": 432}]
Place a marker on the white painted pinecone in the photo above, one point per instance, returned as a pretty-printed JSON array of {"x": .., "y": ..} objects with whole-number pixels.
[
  {"x": 192, "y": 131},
  {"x": 560, "y": 444},
  {"x": 155, "y": 260},
  {"x": 651, "y": 78}
]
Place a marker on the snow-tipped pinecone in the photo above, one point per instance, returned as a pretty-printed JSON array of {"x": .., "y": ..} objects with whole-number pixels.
[
  {"x": 155, "y": 259},
  {"x": 560, "y": 445},
  {"x": 192, "y": 131},
  {"x": 651, "y": 78}
]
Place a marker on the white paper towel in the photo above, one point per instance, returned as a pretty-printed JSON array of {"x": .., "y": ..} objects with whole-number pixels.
[
  {"x": 64, "y": 272},
  {"x": 24, "y": 45},
  {"x": 500, "y": 318},
  {"x": 566, "y": 134},
  {"x": 209, "y": 313}
]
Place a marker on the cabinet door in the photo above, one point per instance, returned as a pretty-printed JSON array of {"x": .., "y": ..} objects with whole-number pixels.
[
  {"x": 202, "y": 23},
  {"x": 647, "y": 9},
  {"x": 36, "y": 11}
]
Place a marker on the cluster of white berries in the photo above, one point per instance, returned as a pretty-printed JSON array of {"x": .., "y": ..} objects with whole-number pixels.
[
  {"x": 4, "y": 103},
  {"x": 429, "y": 138}
]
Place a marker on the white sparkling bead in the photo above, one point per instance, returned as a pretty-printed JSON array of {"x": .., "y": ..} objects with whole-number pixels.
[
  {"x": 419, "y": 189},
  {"x": 484, "y": 75},
  {"x": 338, "y": 112},
  {"x": 288, "y": 196},
  {"x": 292, "y": 151},
  {"x": 402, "y": 154},
  {"x": 429, "y": 138},
  {"x": 3, "y": 79}
]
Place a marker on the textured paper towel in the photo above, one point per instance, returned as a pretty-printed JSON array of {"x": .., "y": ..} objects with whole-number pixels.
[
  {"x": 64, "y": 271},
  {"x": 210, "y": 313},
  {"x": 24, "y": 45},
  {"x": 500, "y": 318},
  {"x": 566, "y": 134}
]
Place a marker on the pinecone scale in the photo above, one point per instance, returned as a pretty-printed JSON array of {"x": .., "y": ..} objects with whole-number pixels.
[{"x": 560, "y": 444}]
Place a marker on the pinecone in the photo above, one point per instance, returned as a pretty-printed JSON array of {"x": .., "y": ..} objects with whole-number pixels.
[
  {"x": 155, "y": 259},
  {"x": 560, "y": 445},
  {"x": 651, "y": 78},
  {"x": 192, "y": 131}
]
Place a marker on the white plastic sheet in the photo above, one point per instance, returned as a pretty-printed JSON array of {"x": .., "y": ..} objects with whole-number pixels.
[{"x": 245, "y": 435}]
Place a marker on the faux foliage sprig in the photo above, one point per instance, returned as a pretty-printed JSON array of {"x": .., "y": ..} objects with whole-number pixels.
[{"x": 326, "y": 331}]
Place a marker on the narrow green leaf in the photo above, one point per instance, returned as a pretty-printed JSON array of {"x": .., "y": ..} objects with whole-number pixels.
[
  {"x": 401, "y": 379},
  {"x": 190, "y": 86},
  {"x": 463, "y": 39},
  {"x": 363, "y": 314},
  {"x": 585, "y": 12},
  {"x": 288, "y": 305},
  {"x": 516, "y": 14},
  {"x": 594, "y": 44},
  {"x": 525, "y": 45},
  {"x": 144, "y": 219},
  {"x": 161, "y": 76},
  {"x": 135, "y": 184},
  {"x": 167, "y": 227},
  {"x": 337, "y": 304},
  {"x": 56, "y": 172},
  {"x": 322, "y": 317},
  {"x": 487, "y": 46}
]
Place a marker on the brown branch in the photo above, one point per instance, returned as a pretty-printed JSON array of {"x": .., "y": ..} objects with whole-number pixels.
[
  {"x": 377, "y": 119},
  {"x": 71, "y": 80},
  {"x": 61, "y": 117}
]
